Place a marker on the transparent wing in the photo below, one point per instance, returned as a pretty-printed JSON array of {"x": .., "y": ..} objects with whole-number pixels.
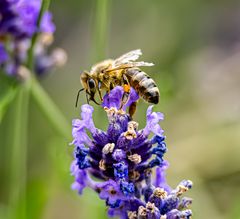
[
  {"x": 126, "y": 58},
  {"x": 138, "y": 64},
  {"x": 129, "y": 65}
]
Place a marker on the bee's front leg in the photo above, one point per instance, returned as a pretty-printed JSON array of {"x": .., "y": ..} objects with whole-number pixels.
[{"x": 100, "y": 90}]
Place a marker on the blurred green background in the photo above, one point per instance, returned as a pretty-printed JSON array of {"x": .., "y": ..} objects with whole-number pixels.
[{"x": 195, "y": 46}]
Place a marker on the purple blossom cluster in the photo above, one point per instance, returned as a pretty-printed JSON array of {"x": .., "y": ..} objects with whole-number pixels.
[
  {"x": 124, "y": 165},
  {"x": 18, "y": 24}
]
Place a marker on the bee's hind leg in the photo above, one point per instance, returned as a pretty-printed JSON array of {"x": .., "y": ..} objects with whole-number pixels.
[
  {"x": 126, "y": 91},
  {"x": 132, "y": 109},
  {"x": 125, "y": 97}
]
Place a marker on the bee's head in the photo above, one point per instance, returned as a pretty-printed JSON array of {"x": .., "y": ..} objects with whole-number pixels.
[{"x": 89, "y": 85}]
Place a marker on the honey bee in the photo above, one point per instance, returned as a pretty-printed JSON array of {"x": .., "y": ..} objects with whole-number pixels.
[{"x": 123, "y": 71}]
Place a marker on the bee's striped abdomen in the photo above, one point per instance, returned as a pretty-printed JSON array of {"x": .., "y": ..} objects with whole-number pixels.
[{"x": 143, "y": 84}]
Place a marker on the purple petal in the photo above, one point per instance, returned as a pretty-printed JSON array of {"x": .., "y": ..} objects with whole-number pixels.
[
  {"x": 169, "y": 203},
  {"x": 117, "y": 212},
  {"x": 86, "y": 115},
  {"x": 153, "y": 118},
  {"x": 119, "y": 155},
  {"x": 160, "y": 180},
  {"x": 28, "y": 12},
  {"x": 175, "y": 214},
  {"x": 3, "y": 54},
  {"x": 79, "y": 126},
  {"x": 79, "y": 133},
  {"x": 47, "y": 26},
  {"x": 114, "y": 98},
  {"x": 80, "y": 178},
  {"x": 110, "y": 191}
]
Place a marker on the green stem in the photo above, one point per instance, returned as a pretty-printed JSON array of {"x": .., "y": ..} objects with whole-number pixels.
[
  {"x": 30, "y": 61},
  {"x": 19, "y": 154},
  {"x": 101, "y": 26},
  {"x": 8, "y": 91},
  {"x": 50, "y": 110},
  {"x": 101, "y": 29}
]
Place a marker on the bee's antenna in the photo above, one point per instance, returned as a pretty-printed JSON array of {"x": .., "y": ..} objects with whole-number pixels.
[{"x": 78, "y": 96}]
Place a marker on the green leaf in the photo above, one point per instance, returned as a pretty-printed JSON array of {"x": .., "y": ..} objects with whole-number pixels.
[{"x": 8, "y": 90}]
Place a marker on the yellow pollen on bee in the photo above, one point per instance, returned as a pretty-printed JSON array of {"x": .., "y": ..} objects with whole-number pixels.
[{"x": 126, "y": 88}]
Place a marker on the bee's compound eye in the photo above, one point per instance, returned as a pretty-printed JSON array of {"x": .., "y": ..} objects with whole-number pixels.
[{"x": 91, "y": 84}]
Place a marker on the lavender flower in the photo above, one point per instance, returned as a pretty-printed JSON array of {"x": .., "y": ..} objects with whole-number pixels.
[
  {"x": 3, "y": 54},
  {"x": 123, "y": 159},
  {"x": 18, "y": 24}
]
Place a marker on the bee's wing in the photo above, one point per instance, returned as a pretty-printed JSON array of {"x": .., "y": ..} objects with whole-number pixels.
[
  {"x": 139, "y": 64},
  {"x": 127, "y": 61},
  {"x": 127, "y": 57},
  {"x": 129, "y": 65}
]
